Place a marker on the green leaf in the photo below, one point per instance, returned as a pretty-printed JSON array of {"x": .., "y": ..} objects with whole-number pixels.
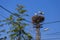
[
  {"x": 16, "y": 14},
  {"x": 25, "y": 24},
  {"x": 13, "y": 35},
  {"x": 20, "y": 27},
  {"x": 15, "y": 30},
  {"x": 19, "y": 7},
  {"x": 24, "y": 32},
  {"x": 10, "y": 18},
  {"x": 20, "y": 19},
  {"x": 22, "y": 11},
  {"x": 29, "y": 36}
]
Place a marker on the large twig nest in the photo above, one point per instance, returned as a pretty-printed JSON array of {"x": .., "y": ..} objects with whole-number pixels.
[{"x": 37, "y": 19}]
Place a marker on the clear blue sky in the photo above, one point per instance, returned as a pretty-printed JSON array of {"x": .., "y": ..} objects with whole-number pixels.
[{"x": 51, "y": 9}]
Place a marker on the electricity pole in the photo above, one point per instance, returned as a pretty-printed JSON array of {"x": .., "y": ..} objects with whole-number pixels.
[
  {"x": 38, "y": 34},
  {"x": 37, "y": 20}
]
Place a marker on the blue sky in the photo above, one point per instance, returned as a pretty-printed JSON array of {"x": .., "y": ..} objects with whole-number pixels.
[{"x": 51, "y": 9}]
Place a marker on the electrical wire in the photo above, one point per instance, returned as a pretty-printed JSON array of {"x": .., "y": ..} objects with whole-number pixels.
[
  {"x": 56, "y": 33},
  {"x": 27, "y": 20},
  {"x": 43, "y": 23},
  {"x": 11, "y": 22},
  {"x": 12, "y": 13},
  {"x": 31, "y": 22},
  {"x": 6, "y": 9},
  {"x": 51, "y": 22},
  {"x": 50, "y": 38},
  {"x": 2, "y": 16}
]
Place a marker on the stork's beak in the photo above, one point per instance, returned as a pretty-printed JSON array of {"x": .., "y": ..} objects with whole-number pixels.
[{"x": 42, "y": 13}]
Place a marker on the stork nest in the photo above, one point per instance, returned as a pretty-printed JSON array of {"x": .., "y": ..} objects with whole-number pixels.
[{"x": 37, "y": 19}]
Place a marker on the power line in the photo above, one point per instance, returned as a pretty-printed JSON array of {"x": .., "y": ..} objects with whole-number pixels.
[
  {"x": 50, "y": 38},
  {"x": 56, "y": 33},
  {"x": 2, "y": 16},
  {"x": 12, "y": 13},
  {"x": 6, "y": 9},
  {"x": 51, "y": 22},
  {"x": 27, "y": 20}
]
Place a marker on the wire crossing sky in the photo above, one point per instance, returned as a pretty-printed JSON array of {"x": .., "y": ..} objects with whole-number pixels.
[{"x": 51, "y": 9}]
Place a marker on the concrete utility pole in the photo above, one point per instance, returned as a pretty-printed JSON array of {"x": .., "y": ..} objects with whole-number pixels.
[
  {"x": 36, "y": 20},
  {"x": 38, "y": 36}
]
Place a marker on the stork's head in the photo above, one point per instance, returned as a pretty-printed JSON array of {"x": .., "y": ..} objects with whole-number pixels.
[
  {"x": 35, "y": 14},
  {"x": 40, "y": 12}
]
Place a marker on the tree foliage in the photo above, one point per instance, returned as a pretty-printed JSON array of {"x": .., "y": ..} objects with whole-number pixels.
[{"x": 17, "y": 25}]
